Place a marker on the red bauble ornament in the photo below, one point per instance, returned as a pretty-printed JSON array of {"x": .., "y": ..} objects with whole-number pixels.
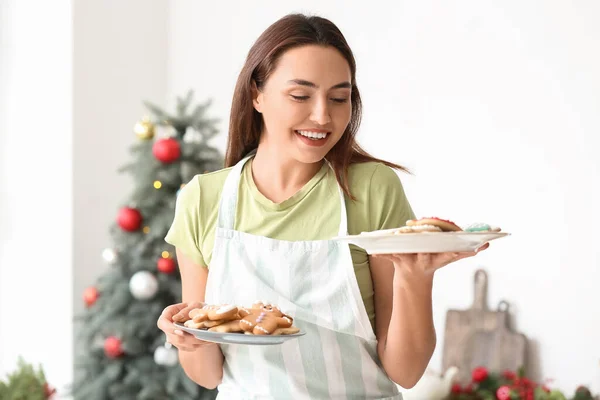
[
  {"x": 166, "y": 265},
  {"x": 129, "y": 219},
  {"x": 166, "y": 150},
  {"x": 112, "y": 347},
  {"x": 479, "y": 374},
  {"x": 503, "y": 393},
  {"x": 90, "y": 295},
  {"x": 49, "y": 391}
]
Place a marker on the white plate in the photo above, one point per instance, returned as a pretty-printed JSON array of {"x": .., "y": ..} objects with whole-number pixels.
[
  {"x": 238, "y": 338},
  {"x": 385, "y": 242}
]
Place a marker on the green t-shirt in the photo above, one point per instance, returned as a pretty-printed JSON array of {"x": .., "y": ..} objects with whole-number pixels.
[{"x": 312, "y": 213}]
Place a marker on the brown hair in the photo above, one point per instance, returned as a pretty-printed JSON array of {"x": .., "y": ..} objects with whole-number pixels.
[{"x": 246, "y": 124}]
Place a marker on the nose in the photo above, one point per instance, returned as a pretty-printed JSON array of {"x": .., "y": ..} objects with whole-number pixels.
[{"x": 320, "y": 112}]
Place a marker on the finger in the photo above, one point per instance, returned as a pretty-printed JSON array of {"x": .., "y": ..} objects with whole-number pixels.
[
  {"x": 186, "y": 342},
  {"x": 465, "y": 254},
  {"x": 182, "y": 315},
  {"x": 425, "y": 258},
  {"x": 485, "y": 246},
  {"x": 443, "y": 259},
  {"x": 173, "y": 309},
  {"x": 405, "y": 258},
  {"x": 164, "y": 324},
  {"x": 473, "y": 253}
]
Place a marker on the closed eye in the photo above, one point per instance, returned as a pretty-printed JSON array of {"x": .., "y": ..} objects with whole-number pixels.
[
  {"x": 299, "y": 98},
  {"x": 336, "y": 100}
]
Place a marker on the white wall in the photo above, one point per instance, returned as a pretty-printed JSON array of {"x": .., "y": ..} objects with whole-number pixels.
[
  {"x": 119, "y": 59},
  {"x": 72, "y": 80},
  {"x": 495, "y": 107},
  {"x": 36, "y": 186}
]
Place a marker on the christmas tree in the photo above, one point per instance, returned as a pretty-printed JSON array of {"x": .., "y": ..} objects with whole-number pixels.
[{"x": 120, "y": 352}]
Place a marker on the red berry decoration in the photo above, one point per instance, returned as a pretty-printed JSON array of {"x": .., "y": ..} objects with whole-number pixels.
[
  {"x": 129, "y": 219},
  {"x": 166, "y": 150},
  {"x": 90, "y": 295},
  {"x": 509, "y": 375},
  {"x": 112, "y": 347},
  {"x": 503, "y": 393},
  {"x": 456, "y": 389},
  {"x": 479, "y": 374},
  {"x": 166, "y": 265}
]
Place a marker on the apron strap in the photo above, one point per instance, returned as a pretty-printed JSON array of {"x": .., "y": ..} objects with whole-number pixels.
[
  {"x": 343, "y": 229},
  {"x": 229, "y": 197}
]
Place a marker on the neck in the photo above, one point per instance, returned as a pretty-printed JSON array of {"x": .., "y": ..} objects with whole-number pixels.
[{"x": 277, "y": 176}]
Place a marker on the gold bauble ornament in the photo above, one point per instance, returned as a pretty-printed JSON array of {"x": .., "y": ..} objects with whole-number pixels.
[{"x": 144, "y": 129}]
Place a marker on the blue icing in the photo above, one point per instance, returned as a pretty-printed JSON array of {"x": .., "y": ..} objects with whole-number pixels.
[{"x": 478, "y": 227}]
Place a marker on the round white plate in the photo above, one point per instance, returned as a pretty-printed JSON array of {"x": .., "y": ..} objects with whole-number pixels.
[
  {"x": 238, "y": 338},
  {"x": 385, "y": 242}
]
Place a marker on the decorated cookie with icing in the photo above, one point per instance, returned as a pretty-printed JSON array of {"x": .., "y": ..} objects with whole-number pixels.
[
  {"x": 264, "y": 319},
  {"x": 261, "y": 318},
  {"x": 417, "y": 229},
  {"x": 443, "y": 224},
  {"x": 481, "y": 227},
  {"x": 210, "y": 316}
]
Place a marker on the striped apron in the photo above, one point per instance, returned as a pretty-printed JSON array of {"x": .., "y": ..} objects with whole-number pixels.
[{"x": 312, "y": 281}]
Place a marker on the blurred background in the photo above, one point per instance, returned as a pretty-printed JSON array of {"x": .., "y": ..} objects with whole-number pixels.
[{"x": 495, "y": 107}]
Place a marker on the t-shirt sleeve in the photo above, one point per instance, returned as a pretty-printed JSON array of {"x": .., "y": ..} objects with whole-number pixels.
[
  {"x": 184, "y": 232},
  {"x": 389, "y": 207}
]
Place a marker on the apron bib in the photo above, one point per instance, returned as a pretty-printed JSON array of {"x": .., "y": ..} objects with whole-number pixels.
[{"x": 313, "y": 282}]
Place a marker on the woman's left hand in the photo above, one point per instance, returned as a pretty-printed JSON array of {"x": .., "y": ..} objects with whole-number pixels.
[{"x": 426, "y": 262}]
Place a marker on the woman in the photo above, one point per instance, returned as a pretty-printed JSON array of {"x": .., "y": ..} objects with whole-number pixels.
[{"x": 261, "y": 229}]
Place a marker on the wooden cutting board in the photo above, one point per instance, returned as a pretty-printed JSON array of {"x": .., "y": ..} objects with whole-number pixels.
[
  {"x": 501, "y": 348},
  {"x": 468, "y": 332}
]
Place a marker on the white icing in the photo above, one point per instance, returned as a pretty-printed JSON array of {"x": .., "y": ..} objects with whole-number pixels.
[
  {"x": 262, "y": 329},
  {"x": 225, "y": 309},
  {"x": 288, "y": 320}
]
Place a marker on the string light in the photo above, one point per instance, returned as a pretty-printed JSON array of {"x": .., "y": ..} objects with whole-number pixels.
[{"x": 157, "y": 184}]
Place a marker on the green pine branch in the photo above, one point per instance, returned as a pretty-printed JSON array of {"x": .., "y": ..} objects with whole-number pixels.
[
  {"x": 183, "y": 118},
  {"x": 25, "y": 383}
]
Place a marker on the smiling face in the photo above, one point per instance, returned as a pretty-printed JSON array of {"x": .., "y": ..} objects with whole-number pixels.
[{"x": 305, "y": 103}]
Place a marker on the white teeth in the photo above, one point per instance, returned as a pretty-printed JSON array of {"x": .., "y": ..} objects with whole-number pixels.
[{"x": 313, "y": 135}]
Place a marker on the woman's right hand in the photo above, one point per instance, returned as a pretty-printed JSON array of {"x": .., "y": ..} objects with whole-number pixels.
[{"x": 182, "y": 340}]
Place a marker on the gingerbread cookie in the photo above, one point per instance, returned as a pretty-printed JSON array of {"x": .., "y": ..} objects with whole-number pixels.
[
  {"x": 286, "y": 331},
  {"x": 228, "y": 327},
  {"x": 444, "y": 225},
  {"x": 210, "y": 316},
  {"x": 264, "y": 319},
  {"x": 214, "y": 313}
]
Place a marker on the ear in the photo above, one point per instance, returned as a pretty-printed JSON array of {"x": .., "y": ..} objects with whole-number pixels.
[{"x": 257, "y": 97}]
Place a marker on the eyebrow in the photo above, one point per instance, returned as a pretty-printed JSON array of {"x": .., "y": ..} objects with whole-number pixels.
[{"x": 342, "y": 85}]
